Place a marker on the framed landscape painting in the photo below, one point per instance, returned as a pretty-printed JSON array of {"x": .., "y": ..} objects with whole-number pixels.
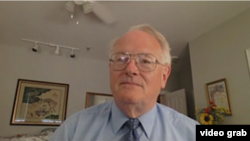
[
  {"x": 39, "y": 103},
  {"x": 217, "y": 92}
]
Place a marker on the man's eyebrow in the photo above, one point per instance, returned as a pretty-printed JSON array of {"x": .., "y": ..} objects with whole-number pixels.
[{"x": 122, "y": 52}]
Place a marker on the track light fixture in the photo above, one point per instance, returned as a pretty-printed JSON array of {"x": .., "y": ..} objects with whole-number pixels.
[
  {"x": 35, "y": 48},
  {"x": 72, "y": 55},
  {"x": 57, "y": 50}
]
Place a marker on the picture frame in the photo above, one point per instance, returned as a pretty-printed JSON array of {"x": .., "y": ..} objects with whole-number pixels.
[
  {"x": 248, "y": 58},
  {"x": 39, "y": 103},
  {"x": 93, "y": 98},
  {"x": 217, "y": 91}
]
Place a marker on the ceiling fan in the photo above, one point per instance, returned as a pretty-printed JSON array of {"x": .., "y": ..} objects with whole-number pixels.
[
  {"x": 100, "y": 11},
  {"x": 91, "y": 6}
]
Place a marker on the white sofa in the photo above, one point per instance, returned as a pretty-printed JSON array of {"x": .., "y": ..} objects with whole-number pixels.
[{"x": 44, "y": 135}]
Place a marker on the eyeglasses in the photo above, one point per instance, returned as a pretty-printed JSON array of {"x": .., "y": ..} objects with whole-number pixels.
[{"x": 144, "y": 61}]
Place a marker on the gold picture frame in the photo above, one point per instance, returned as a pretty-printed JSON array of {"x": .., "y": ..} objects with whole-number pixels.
[
  {"x": 39, "y": 103},
  {"x": 248, "y": 58},
  {"x": 93, "y": 98},
  {"x": 217, "y": 91}
]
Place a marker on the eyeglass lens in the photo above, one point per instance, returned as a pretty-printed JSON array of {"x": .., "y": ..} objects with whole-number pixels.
[{"x": 145, "y": 62}]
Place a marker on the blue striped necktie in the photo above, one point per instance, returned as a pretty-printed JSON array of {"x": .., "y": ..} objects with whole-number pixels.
[{"x": 132, "y": 124}]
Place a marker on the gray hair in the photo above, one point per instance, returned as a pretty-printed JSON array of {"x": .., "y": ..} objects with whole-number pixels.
[{"x": 153, "y": 32}]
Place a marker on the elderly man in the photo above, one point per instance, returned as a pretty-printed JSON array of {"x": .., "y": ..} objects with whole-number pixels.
[{"x": 140, "y": 64}]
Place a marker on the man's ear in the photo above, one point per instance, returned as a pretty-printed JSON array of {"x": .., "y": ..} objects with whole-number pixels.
[{"x": 165, "y": 75}]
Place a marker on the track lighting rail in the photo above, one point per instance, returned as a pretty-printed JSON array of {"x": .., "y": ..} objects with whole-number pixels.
[{"x": 35, "y": 48}]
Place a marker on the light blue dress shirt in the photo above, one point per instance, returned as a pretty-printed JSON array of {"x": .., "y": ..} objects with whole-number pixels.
[{"x": 104, "y": 122}]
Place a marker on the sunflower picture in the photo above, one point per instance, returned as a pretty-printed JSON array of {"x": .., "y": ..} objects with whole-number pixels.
[{"x": 212, "y": 114}]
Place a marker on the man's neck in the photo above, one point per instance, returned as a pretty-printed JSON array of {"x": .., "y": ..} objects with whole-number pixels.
[{"x": 134, "y": 110}]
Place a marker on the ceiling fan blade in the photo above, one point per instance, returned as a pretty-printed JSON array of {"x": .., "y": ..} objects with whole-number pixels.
[
  {"x": 87, "y": 7},
  {"x": 102, "y": 13},
  {"x": 70, "y": 6}
]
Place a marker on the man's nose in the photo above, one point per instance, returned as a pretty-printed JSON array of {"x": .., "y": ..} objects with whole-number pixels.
[{"x": 132, "y": 67}]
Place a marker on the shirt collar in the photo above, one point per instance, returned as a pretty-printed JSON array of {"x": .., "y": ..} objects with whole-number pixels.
[
  {"x": 147, "y": 120},
  {"x": 118, "y": 118}
]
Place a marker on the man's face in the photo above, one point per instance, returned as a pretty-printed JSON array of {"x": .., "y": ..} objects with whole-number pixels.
[{"x": 132, "y": 85}]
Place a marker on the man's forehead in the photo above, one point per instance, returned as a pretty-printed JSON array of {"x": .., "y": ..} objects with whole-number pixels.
[
  {"x": 137, "y": 37},
  {"x": 138, "y": 42}
]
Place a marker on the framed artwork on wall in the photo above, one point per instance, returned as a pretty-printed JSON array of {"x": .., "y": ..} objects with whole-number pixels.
[
  {"x": 39, "y": 103},
  {"x": 217, "y": 91},
  {"x": 96, "y": 98},
  {"x": 248, "y": 59}
]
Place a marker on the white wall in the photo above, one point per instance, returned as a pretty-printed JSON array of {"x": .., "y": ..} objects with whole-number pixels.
[
  {"x": 19, "y": 62},
  {"x": 221, "y": 54}
]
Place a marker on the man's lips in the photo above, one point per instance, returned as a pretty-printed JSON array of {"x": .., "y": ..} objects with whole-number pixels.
[{"x": 130, "y": 83}]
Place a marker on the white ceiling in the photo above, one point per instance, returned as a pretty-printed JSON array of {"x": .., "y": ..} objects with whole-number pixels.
[{"x": 48, "y": 21}]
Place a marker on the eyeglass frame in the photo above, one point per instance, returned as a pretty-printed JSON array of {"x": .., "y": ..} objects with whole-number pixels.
[{"x": 135, "y": 54}]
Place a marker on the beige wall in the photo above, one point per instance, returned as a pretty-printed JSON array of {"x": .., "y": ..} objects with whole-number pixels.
[
  {"x": 19, "y": 62},
  {"x": 221, "y": 54}
]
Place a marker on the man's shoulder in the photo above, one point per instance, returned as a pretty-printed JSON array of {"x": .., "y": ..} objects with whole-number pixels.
[
  {"x": 174, "y": 116},
  {"x": 91, "y": 112},
  {"x": 176, "y": 124}
]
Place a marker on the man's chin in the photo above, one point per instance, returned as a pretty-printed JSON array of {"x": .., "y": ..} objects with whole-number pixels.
[
  {"x": 130, "y": 99},
  {"x": 129, "y": 95}
]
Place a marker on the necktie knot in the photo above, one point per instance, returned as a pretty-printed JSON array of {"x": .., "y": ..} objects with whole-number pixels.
[{"x": 132, "y": 123}]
